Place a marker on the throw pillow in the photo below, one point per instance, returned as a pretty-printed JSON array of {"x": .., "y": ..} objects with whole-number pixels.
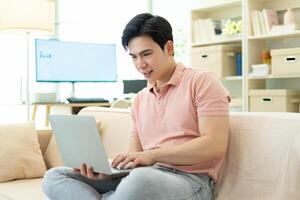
[{"x": 20, "y": 153}]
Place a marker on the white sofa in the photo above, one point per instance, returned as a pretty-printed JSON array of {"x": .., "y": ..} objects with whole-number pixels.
[{"x": 263, "y": 158}]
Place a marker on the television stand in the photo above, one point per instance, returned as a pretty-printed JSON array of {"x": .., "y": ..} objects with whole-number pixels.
[
  {"x": 86, "y": 100},
  {"x": 74, "y": 107}
]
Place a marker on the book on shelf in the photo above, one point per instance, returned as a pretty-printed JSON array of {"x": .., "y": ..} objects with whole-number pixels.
[
  {"x": 255, "y": 22},
  {"x": 266, "y": 21},
  {"x": 206, "y": 30},
  {"x": 196, "y": 31},
  {"x": 262, "y": 24},
  {"x": 262, "y": 21},
  {"x": 270, "y": 19}
]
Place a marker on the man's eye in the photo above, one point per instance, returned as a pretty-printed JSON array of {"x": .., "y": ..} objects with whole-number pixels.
[{"x": 147, "y": 54}]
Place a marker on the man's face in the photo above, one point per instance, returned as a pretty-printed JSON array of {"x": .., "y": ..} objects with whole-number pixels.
[{"x": 149, "y": 59}]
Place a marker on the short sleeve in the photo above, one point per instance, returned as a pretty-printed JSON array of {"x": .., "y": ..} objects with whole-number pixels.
[
  {"x": 133, "y": 126},
  {"x": 211, "y": 97}
]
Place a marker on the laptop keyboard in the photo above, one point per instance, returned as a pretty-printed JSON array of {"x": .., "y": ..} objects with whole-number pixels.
[{"x": 115, "y": 170}]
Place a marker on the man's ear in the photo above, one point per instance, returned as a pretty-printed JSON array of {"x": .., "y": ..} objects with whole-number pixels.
[{"x": 169, "y": 48}]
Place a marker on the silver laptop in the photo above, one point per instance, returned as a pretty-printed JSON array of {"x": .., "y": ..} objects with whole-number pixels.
[{"x": 79, "y": 141}]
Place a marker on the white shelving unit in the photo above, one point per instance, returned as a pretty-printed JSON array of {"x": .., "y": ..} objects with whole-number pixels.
[
  {"x": 222, "y": 41},
  {"x": 222, "y": 10},
  {"x": 276, "y": 36},
  {"x": 251, "y": 45}
]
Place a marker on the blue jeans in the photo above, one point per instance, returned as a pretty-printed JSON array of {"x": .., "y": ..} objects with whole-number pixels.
[{"x": 143, "y": 183}]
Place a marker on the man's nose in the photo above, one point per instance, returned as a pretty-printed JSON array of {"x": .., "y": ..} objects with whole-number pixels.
[{"x": 141, "y": 63}]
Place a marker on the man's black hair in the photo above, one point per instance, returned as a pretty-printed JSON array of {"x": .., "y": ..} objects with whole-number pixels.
[{"x": 146, "y": 24}]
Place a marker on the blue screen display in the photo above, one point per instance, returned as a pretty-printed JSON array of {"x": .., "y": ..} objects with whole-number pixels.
[{"x": 58, "y": 61}]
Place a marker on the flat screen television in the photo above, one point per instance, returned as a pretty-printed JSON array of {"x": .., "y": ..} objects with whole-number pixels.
[
  {"x": 134, "y": 86},
  {"x": 60, "y": 61}
]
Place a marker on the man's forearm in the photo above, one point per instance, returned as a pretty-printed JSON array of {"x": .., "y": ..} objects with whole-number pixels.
[{"x": 192, "y": 152}]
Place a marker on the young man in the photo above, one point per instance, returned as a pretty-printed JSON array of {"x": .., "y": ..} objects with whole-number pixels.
[{"x": 180, "y": 129}]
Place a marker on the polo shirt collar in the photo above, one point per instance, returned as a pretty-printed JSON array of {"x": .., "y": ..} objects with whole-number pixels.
[{"x": 174, "y": 80}]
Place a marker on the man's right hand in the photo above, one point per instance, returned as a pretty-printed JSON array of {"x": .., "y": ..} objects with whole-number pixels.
[{"x": 89, "y": 173}]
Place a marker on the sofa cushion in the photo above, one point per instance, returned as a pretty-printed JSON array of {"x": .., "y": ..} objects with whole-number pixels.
[
  {"x": 25, "y": 189},
  {"x": 44, "y": 136},
  {"x": 20, "y": 154},
  {"x": 52, "y": 156},
  {"x": 263, "y": 158}
]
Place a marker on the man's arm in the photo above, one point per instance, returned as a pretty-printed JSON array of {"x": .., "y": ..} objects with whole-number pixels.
[
  {"x": 134, "y": 145},
  {"x": 211, "y": 145}
]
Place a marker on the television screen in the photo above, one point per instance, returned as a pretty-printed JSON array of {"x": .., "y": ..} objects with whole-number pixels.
[
  {"x": 58, "y": 61},
  {"x": 134, "y": 86}
]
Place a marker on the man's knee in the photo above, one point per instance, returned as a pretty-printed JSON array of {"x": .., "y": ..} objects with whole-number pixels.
[
  {"x": 52, "y": 177},
  {"x": 139, "y": 183},
  {"x": 143, "y": 176}
]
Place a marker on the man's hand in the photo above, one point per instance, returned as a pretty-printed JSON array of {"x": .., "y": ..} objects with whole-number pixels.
[
  {"x": 89, "y": 173},
  {"x": 132, "y": 160}
]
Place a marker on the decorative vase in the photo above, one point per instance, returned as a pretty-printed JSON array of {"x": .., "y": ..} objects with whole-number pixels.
[{"x": 289, "y": 17}]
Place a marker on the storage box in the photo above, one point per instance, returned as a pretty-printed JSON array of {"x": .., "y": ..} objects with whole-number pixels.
[
  {"x": 219, "y": 59},
  {"x": 285, "y": 61},
  {"x": 274, "y": 100},
  {"x": 49, "y": 97}
]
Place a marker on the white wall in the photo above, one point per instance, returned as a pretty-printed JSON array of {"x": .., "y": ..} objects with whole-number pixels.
[{"x": 178, "y": 14}]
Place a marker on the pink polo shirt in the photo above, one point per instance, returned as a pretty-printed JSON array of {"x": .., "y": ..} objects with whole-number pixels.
[{"x": 170, "y": 117}]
